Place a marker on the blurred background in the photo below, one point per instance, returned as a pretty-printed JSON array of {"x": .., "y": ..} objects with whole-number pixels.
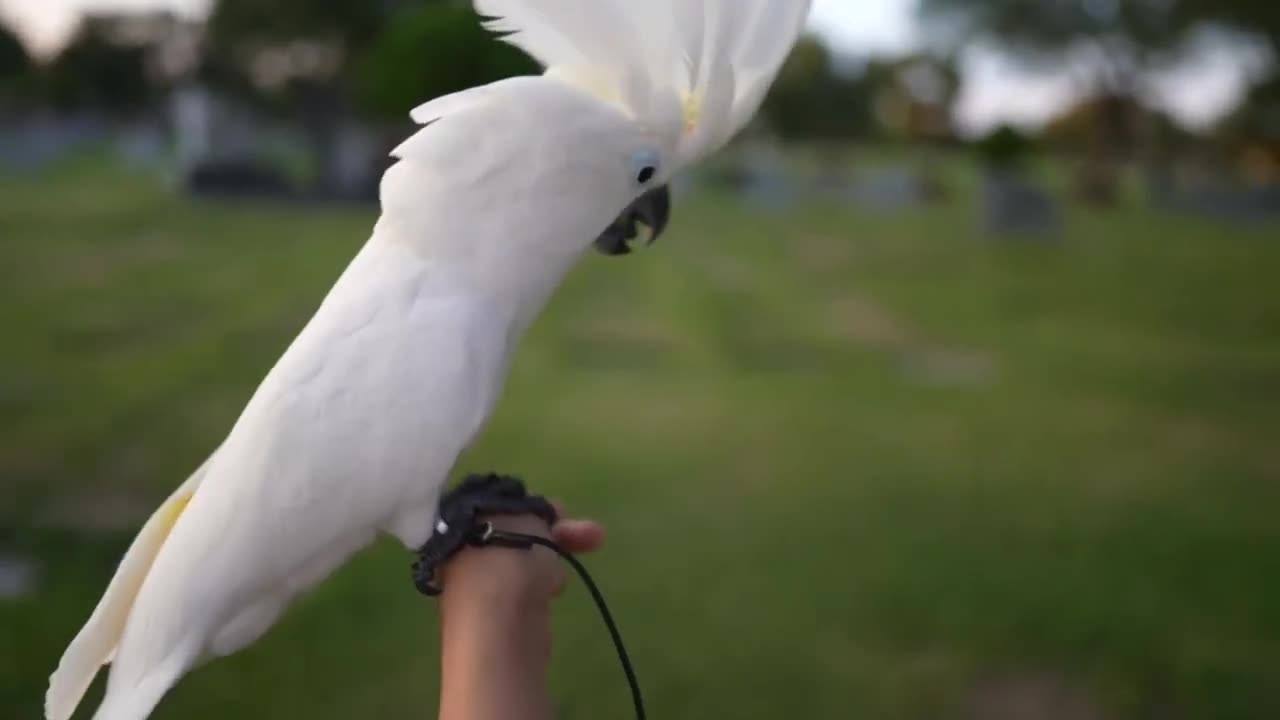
[{"x": 952, "y": 394}]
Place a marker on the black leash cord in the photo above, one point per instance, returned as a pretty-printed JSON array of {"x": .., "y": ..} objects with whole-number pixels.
[{"x": 489, "y": 535}]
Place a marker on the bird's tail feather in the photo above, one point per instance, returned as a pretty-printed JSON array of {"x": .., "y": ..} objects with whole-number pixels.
[
  {"x": 140, "y": 699},
  {"x": 95, "y": 645}
]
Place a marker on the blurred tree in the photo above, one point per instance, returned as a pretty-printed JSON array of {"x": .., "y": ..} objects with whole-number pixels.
[
  {"x": 1259, "y": 114},
  {"x": 813, "y": 100},
  {"x": 1004, "y": 149},
  {"x": 448, "y": 51},
  {"x": 1114, "y": 43},
  {"x": 278, "y": 39},
  {"x": 15, "y": 63},
  {"x": 98, "y": 71},
  {"x": 325, "y": 61},
  {"x": 1258, "y": 18},
  {"x": 1072, "y": 130},
  {"x": 913, "y": 97},
  {"x": 1119, "y": 40},
  {"x": 1163, "y": 141},
  {"x": 298, "y": 56},
  {"x": 1251, "y": 134}
]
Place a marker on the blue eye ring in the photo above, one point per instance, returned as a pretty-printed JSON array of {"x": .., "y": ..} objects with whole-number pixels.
[{"x": 645, "y": 165}]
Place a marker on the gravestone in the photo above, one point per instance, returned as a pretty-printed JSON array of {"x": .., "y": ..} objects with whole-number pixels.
[
  {"x": 1015, "y": 205},
  {"x": 765, "y": 182},
  {"x": 191, "y": 115},
  {"x": 142, "y": 146},
  {"x": 36, "y": 141},
  {"x": 237, "y": 178},
  {"x": 1213, "y": 193},
  {"x": 18, "y": 577},
  {"x": 1232, "y": 204},
  {"x": 891, "y": 189}
]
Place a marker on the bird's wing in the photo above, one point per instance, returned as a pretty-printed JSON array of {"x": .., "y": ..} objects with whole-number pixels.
[
  {"x": 362, "y": 417},
  {"x": 365, "y": 413}
]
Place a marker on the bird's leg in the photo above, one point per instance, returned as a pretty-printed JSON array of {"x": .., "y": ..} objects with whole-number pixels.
[{"x": 460, "y": 520}]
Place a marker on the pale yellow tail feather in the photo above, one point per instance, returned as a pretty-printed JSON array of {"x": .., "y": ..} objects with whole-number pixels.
[{"x": 95, "y": 645}]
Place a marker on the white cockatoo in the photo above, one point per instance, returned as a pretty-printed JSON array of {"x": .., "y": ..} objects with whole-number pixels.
[{"x": 355, "y": 430}]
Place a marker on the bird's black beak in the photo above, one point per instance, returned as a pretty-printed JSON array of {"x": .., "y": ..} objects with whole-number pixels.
[{"x": 653, "y": 210}]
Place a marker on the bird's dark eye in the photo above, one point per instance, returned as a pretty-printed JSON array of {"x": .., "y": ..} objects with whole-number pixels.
[{"x": 645, "y": 163}]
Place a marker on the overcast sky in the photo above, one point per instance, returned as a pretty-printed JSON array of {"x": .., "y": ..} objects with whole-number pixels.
[{"x": 995, "y": 90}]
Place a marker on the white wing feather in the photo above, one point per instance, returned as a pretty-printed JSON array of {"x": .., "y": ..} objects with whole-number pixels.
[{"x": 761, "y": 48}]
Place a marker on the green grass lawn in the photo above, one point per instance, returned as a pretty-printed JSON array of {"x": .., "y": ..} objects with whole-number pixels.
[{"x": 853, "y": 465}]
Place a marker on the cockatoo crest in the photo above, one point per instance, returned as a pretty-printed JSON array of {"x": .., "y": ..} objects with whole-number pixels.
[{"x": 693, "y": 71}]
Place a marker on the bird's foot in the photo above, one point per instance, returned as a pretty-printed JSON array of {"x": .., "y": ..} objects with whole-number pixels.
[{"x": 459, "y": 521}]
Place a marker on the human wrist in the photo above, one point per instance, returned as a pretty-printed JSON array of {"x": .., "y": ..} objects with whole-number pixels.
[
  {"x": 496, "y": 644},
  {"x": 501, "y": 580}
]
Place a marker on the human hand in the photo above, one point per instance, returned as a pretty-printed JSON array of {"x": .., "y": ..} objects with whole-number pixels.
[
  {"x": 495, "y": 616},
  {"x": 508, "y": 576}
]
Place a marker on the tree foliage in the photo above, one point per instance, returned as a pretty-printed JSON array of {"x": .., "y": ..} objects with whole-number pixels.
[
  {"x": 908, "y": 98},
  {"x": 1005, "y": 148},
  {"x": 1257, "y": 119},
  {"x": 913, "y": 96},
  {"x": 15, "y": 63},
  {"x": 1120, "y": 39},
  {"x": 250, "y": 27},
  {"x": 812, "y": 100},
  {"x": 1124, "y": 38},
  {"x": 1260, "y": 18},
  {"x": 1050, "y": 25},
  {"x": 323, "y": 61},
  {"x": 433, "y": 51},
  {"x": 379, "y": 56},
  {"x": 97, "y": 71},
  {"x": 18, "y": 80},
  {"x": 289, "y": 54}
]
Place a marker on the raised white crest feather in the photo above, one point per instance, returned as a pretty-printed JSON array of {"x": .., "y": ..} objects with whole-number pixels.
[{"x": 718, "y": 57}]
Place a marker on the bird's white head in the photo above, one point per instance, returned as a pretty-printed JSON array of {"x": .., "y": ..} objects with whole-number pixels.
[{"x": 635, "y": 91}]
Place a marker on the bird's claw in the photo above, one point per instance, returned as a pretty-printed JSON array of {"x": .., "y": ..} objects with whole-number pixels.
[{"x": 460, "y": 521}]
